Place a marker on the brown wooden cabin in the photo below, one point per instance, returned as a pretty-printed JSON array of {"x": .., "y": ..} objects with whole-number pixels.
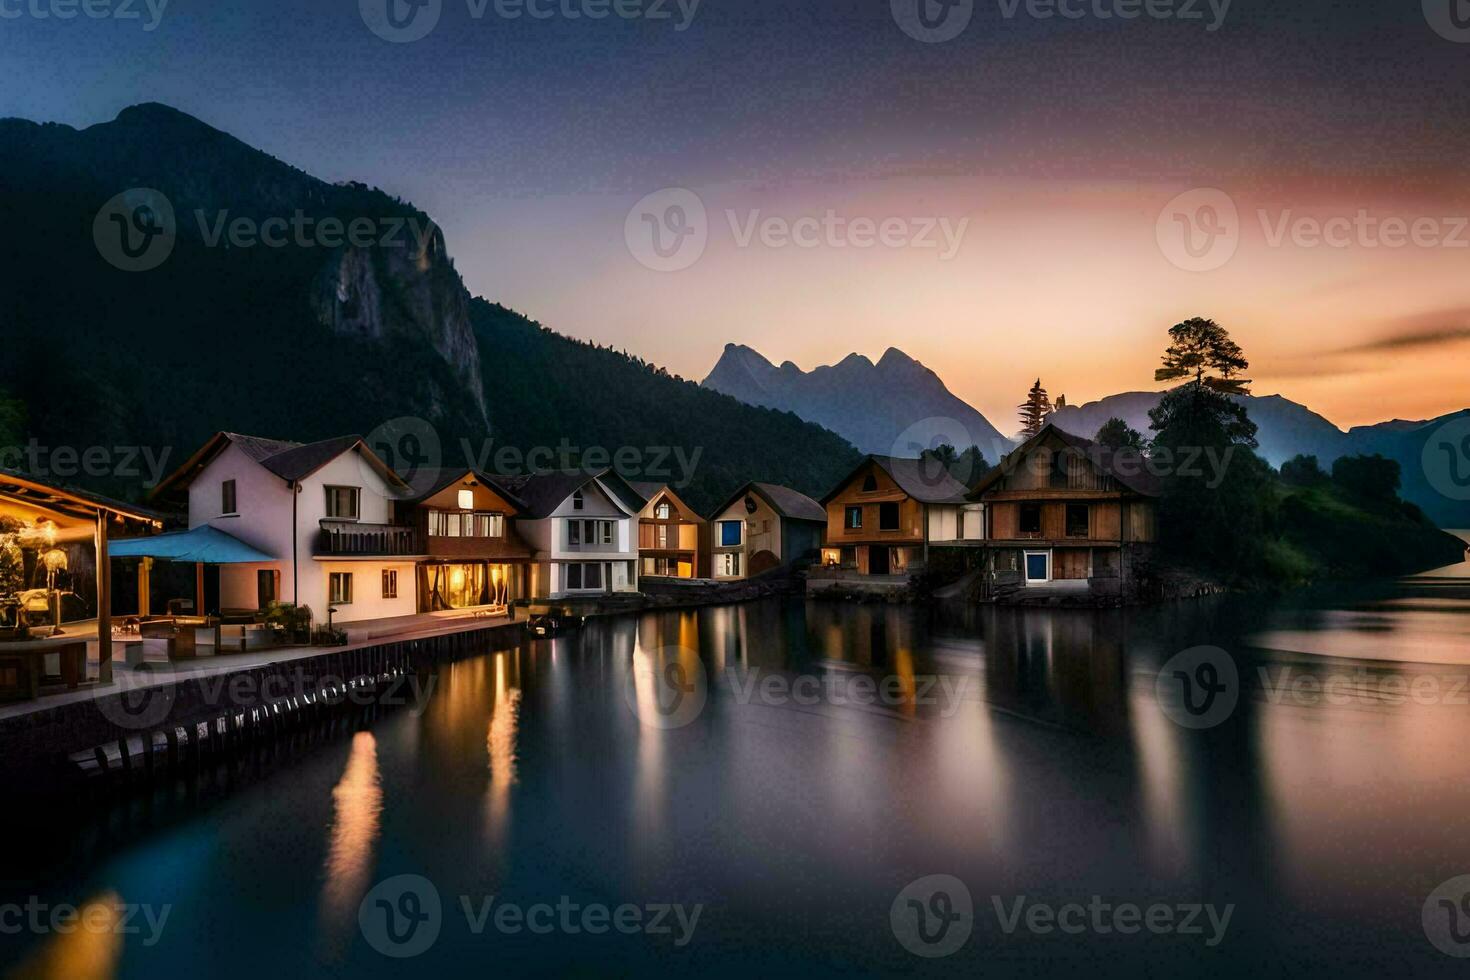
[
  {"x": 476, "y": 557},
  {"x": 673, "y": 540},
  {"x": 882, "y": 518},
  {"x": 1065, "y": 512}
]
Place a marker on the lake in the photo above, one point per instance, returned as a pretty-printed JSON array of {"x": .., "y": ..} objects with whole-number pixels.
[{"x": 1241, "y": 783}]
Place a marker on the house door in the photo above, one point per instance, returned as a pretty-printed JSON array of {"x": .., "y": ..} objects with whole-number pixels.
[
  {"x": 878, "y": 560},
  {"x": 1038, "y": 567},
  {"x": 265, "y": 587}
]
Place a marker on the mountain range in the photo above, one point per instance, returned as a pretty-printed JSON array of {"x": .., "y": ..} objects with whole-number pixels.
[
  {"x": 898, "y": 406},
  {"x": 306, "y": 335}
]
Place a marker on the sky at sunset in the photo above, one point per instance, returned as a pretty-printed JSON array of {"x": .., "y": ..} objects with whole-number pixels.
[{"x": 1314, "y": 151}]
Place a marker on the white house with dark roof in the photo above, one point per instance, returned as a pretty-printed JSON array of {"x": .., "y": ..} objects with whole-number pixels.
[
  {"x": 582, "y": 529},
  {"x": 763, "y": 526},
  {"x": 324, "y": 514}
]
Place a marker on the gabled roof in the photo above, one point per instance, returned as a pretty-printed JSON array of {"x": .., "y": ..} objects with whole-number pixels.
[
  {"x": 291, "y": 461},
  {"x": 1128, "y": 466},
  {"x": 924, "y": 480},
  {"x": 437, "y": 479},
  {"x": 790, "y": 504},
  {"x": 648, "y": 491},
  {"x": 542, "y": 493}
]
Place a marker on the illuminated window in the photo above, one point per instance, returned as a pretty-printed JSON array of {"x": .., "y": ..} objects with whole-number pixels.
[
  {"x": 390, "y": 583},
  {"x": 467, "y": 500}
]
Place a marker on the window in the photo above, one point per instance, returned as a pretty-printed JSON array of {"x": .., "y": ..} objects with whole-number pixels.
[
  {"x": 340, "y": 588},
  {"x": 265, "y": 587},
  {"x": 1058, "y": 469},
  {"x": 342, "y": 503},
  {"x": 661, "y": 538},
  {"x": 731, "y": 533},
  {"x": 1030, "y": 518},
  {"x": 578, "y": 501},
  {"x": 584, "y": 577},
  {"x": 390, "y": 583},
  {"x": 888, "y": 517},
  {"x": 853, "y": 519},
  {"x": 227, "y": 502},
  {"x": 591, "y": 533},
  {"x": 466, "y": 500},
  {"x": 870, "y": 484},
  {"x": 447, "y": 524},
  {"x": 750, "y": 505},
  {"x": 727, "y": 565},
  {"x": 663, "y": 511},
  {"x": 1078, "y": 523}
]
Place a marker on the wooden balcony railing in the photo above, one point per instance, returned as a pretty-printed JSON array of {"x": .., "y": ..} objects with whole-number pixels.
[{"x": 348, "y": 539}]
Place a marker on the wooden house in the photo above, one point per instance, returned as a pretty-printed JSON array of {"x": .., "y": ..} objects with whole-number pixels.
[
  {"x": 764, "y": 526},
  {"x": 1065, "y": 513},
  {"x": 672, "y": 536},
  {"x": 884, "y": 516}
]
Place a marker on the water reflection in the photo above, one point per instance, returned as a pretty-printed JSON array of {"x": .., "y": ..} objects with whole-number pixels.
[
  {"x": 357, "y": 802},
  {"x": 90, "y": 952},
  {"x": 500, "y": 745}
]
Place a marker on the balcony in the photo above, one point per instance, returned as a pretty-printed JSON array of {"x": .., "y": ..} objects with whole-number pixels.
[{"x": 347, "y": 539}]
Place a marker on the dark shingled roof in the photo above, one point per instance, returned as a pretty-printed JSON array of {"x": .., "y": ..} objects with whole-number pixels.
[
  {"x": 433, "y": 480},
  {"x": 542, "y": 493},
  {"x": 790, "y": 504},
  {"x": 288, "y": 460},
  {"x": 646, "y": 489},
  {"x": 925, "y": 480},
  {"x": 1128, "y": 466}
]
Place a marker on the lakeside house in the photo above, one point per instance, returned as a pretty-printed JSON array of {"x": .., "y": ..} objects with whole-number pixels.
[
  {"x": 672, "y": 536},
  {"x": 581, "y": 529},
  {"x": 319, "y": 518},
  {"x": 762, "y": 527},
  {"x": 476, "y": 557},
  {"x": 883, "y": 518},
  {"x": 1066, "y": 514}
]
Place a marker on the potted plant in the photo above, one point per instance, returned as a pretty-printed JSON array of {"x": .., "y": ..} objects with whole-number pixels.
[{"x": 291, "y": 623}]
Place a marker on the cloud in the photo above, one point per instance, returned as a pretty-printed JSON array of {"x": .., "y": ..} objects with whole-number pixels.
[{"x": 1417, "y": 332}]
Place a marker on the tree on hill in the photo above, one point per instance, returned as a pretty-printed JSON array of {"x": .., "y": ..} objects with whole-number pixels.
[
  {"x": 1118, "y": 434},
  {"x": 1035, "y": 410},
  {"x": 1216, "y": 508},
  {"x": 966, "y": 467},
  {"x": 1303, "y": 471},
  {"x": 1199, "y": 346}
]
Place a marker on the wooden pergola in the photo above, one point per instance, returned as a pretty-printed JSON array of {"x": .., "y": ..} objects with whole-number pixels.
[{"x": 75, "y": 515}]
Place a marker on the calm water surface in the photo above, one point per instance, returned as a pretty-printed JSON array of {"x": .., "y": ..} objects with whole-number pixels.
[{"x": 822, "y": 758}]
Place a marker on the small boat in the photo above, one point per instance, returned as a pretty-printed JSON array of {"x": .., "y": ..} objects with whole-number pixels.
[{"x": 552, "y": 624}]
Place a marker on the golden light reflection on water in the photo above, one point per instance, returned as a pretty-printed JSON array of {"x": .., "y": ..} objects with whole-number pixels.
[
  {"x": 357, "y": 802},
  {"x": 90, "y": 952},
  {"x": 1157, "y": 746},
  {"x": 500, "y": 746}
]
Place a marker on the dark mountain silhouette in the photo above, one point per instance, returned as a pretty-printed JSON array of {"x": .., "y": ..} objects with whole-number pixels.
[
  {"x": 895, "y": 407},
  {"x": 311, "y": 336}
]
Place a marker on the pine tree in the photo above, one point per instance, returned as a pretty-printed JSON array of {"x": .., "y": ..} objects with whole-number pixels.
[{"x": 1035, "y": 410}]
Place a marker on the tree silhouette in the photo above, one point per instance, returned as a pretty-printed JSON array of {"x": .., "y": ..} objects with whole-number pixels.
[
  {"x": 1035, "y": 410},
  {"x": 1199, "y": 346},
  {"x": 1118, "y": 434}
]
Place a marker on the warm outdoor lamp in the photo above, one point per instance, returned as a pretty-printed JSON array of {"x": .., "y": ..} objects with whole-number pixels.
[{"x": 55, "y": 561}]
